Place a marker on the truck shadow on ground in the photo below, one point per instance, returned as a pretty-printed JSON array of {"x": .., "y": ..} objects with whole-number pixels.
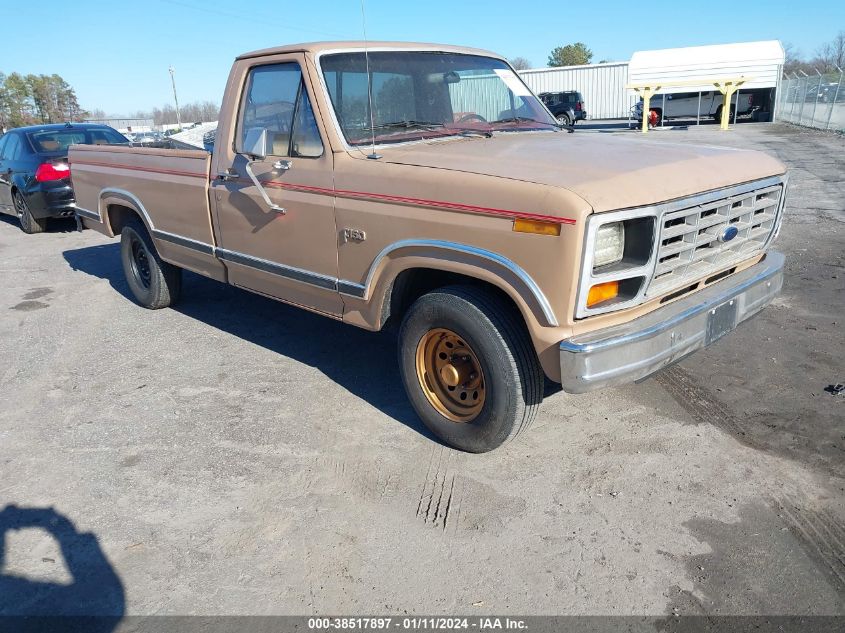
[
  {"x": 94, "y": 601},
  {"x": 330, "y": 346}
]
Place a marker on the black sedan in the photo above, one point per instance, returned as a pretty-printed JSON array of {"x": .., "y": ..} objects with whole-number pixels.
[{"x": 34, "y": 172}]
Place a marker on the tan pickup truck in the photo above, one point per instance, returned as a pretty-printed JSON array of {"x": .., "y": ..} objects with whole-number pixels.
[{"x": 428, "y": 186}]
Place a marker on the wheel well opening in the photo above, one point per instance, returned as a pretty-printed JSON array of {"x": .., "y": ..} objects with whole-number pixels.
[
  {"x": 413, "y": 283},
  {"x": 119, "y": 216}
]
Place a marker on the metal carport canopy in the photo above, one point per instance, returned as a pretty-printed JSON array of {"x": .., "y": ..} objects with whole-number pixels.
[{"x": 760, "y": 61}]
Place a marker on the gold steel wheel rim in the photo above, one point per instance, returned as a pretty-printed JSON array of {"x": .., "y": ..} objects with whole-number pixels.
[{"x": 450, "y": 375}]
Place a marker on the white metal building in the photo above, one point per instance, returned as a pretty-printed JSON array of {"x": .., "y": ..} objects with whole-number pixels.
[
  {"x": 603, "y": 85},
  {"x": 761, "y": 62}
]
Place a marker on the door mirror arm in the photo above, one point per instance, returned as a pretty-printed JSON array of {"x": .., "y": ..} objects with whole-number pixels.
[
  {"x": 255, "y": 148},
  {"x": 261, "y": 190}
]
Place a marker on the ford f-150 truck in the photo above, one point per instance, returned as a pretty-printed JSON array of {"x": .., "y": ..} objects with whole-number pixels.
[{"x": 423, "y": 185}]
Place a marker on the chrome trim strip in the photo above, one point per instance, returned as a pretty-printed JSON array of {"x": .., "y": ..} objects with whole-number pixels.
[
  {"x": 289, "y": 272},
  {"x": 523, "y": 276},
  {"x": 181, "y": 240},
  {"x": 89, "y": 215},
  {"x": 129, "y": 197},
  {"x": 351, "y": 288},
  {"x": 778, "y": 213},
  {"x": 657, "y": 211}
]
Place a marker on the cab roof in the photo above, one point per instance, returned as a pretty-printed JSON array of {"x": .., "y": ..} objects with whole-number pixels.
[
  {"x": 56, "y": 127},
  {"x": 320, "y": 47}
]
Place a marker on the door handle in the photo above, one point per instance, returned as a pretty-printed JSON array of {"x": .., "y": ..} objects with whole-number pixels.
[
  {"x": 282, "y": 165},
  {"x": 229, "y": 174}
]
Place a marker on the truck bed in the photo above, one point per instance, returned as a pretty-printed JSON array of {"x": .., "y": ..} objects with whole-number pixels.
[{"x": 168, "y": 186}]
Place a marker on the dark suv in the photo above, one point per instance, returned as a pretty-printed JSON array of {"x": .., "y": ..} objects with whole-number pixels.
[
  {"x": 567, "y": 106},
  {"x": 34, "y": 172}
]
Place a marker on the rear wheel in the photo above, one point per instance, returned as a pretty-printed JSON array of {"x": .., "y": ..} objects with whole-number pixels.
[
  {"x": 154, "y": 283},
  {"x": 29, "y": 224},
  {"x": 718, "y": 116},
  {"x": 564, "y": 119},
  {"x": 469, "y": 367}
]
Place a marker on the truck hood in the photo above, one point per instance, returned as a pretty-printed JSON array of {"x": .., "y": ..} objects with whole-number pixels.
[{"x": 608, "y": 171}]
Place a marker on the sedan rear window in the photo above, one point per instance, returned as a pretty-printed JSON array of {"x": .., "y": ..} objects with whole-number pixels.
[{"x": 60, "y": 140}]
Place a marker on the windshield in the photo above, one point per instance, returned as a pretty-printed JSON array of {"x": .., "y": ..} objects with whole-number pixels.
[
  {"x": 60, "y": 140},
  {"x": 420, "y": 95}
]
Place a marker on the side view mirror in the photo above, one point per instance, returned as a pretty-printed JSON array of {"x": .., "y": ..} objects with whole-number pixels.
[{"x": 255, "y": 143}]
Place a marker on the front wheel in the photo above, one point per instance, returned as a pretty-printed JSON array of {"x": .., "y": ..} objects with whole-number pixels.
[
  {"x": 29, "y": 224},
  {"x": 154, "y": 283},
  {"x": 469, "y": 368}
]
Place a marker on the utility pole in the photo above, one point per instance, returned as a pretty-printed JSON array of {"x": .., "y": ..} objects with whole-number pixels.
[{"x": 175, "y": 98}]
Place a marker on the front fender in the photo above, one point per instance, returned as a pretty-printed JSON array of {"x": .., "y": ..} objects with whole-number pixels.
[{"x": 457, "y": 258}]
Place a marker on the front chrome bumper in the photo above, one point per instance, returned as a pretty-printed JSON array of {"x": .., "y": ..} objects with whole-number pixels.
[{"x": 632, "y": 351}]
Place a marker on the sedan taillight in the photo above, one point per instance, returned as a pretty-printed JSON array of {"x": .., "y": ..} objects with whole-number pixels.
[{"x": 52, "y": 171}]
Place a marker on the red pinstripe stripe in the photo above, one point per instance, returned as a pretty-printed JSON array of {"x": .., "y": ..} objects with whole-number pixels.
[
  {"x": 156, "y": 170},
  {"x": 421, "y": 202},
  {"x": 359, "y": 195}
]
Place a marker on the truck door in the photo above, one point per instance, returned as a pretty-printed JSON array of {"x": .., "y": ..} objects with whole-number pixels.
[{"x": 287, "y": 249}]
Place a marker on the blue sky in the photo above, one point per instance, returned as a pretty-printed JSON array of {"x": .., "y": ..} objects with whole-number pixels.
[{"x": 116, "y": 54}]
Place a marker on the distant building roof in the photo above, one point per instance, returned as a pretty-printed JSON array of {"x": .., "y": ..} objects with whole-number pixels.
[{"x": 761, "y": 62}]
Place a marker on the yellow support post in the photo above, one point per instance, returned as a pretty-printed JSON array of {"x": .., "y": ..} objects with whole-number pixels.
[
  {"x": 727, "y": 88},
  {"x": 647, "y": 91}
]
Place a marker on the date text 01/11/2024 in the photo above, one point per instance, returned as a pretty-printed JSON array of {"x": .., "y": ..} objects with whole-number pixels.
[{"x": 418, "y": 623}]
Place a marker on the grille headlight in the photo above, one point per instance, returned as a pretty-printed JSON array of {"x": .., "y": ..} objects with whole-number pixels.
[{"x": 610, "y": 244}]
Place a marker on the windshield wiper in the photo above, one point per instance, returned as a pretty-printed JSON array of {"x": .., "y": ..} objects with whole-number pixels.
[
  {"x": 471, "y": 131},
  {"x": 407, "y": 124},
  {"x": 525, "y": 119}
]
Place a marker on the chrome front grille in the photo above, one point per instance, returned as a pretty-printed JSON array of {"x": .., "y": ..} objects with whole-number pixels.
[{"x": 689, "y": 245}]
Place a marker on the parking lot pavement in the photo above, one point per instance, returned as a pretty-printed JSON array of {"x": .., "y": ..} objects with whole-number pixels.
[{"x": 235, "y": 455}]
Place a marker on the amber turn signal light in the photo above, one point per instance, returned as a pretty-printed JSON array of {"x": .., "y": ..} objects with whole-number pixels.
[
  {"x": 602, "y": 292},
  {"x": 533, "y": 226}
]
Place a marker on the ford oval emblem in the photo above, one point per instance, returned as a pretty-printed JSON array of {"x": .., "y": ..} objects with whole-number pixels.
[{"x": 728, "y": 234}]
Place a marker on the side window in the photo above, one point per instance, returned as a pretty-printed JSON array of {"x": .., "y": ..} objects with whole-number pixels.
[
  {"x": 3, "y": 140},
  {"x": 306, "y": 135},
  {"x": 13, "y": 148},
  {"x": 269, "y": 103}
]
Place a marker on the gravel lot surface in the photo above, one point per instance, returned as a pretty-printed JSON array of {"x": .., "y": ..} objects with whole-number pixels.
[{"x": 238, "y": 456}]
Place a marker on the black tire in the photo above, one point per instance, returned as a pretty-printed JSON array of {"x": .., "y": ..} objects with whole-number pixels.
[
  {"x": 29, "y": 224},
  {"x": 493, "y": 329},
  {"x": 564, "y": 119},
  {"x": 718, "y": 116},
  {"x": 154, "y": 283}
]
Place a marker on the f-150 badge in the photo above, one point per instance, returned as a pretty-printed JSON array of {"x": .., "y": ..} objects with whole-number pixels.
[{"x": 353, "y": 235}]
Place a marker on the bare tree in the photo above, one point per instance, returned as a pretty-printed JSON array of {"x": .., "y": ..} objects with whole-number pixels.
[
  {"x": 520, "y": 63},
  {"x": 828, "y": 57},
  {"x": 824, "y": 59},
  {"x": 838, "y": 46}
]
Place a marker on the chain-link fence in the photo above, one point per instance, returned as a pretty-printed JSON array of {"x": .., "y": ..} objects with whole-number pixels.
[{"x": 815, "y": 101}]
